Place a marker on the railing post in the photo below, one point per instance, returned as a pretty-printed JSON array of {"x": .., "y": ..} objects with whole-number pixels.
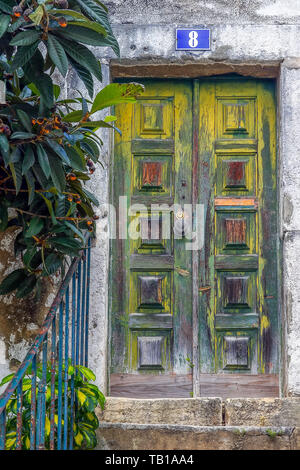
[
  {"x": 65, "y": 444},
  {"x": 51, "y": 426},
  {"x": 60, "y": 380},
  {"x": 2, "y": 429},
  {"x": 87, "y": 308},
  {"x": 53, "y": 370},
  {"x": 33, "y": 405},
  {"x": 19, "y": 415},
  {"x": 73, "y": 337}
]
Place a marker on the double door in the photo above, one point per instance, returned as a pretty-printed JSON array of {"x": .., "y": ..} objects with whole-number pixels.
[{"x": 193, "y": 289}]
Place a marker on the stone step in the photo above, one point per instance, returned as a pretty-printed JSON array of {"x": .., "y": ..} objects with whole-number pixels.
[
  {"x": 203, "y": 411},
  {"x": 199, "y": 423},
  {"x": 125, "y": 436}
]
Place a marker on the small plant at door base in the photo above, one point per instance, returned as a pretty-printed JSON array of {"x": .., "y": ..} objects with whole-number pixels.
[
  {"x": 190, "y": 362},
  {"x": 49, "y": 147},
  {"x": 87, "y": 397},
  {"x": 272, "y": 434}
]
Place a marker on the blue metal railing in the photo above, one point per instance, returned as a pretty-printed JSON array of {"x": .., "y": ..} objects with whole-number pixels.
[{"x": 49, "y": 362}]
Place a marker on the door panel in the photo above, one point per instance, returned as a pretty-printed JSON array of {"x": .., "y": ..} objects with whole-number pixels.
[
  {"x": 152, "y": 309},
  {"x": 177, "y": 313},
  {"x": 239, "y": 318}
]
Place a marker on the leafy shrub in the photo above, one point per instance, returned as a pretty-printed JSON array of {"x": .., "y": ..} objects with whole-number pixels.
[
  {"x": 49, "y": 145},
  {"x": 87, "y": 397}
]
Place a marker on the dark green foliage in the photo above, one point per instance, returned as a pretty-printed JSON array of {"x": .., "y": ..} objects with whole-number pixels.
[{"x": 48, "y": 145}]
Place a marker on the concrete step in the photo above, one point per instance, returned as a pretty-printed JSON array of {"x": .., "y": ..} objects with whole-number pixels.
[
  {"x": 124, "y": 436},
  {"x": 199, "y": 423},
  {"x": 203, "y": 411}
]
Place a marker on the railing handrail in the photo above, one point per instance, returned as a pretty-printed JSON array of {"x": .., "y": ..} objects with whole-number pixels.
[{"x": 13, "y": 384}]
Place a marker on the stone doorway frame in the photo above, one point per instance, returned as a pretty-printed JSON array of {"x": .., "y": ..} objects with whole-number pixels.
[{"x": 192, "y": 69}]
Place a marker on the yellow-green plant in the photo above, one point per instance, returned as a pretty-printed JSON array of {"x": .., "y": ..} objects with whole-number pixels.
[{"x": 85, "y": 422}]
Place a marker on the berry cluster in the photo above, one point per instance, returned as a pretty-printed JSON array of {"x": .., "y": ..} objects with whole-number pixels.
[
  {"x": 19, "y": 11},
  {"x": 61, "y": 4},
  {"x": 91, "y": 166},
  {"x": 48, "y": 125},
  {"x": 74, "y": 197},
  {"x": 62, "y": 22},
  {"x": 4, "y": 129}
]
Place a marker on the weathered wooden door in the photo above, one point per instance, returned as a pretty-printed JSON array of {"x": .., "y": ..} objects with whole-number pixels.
[{"x": 178, "y": 314}]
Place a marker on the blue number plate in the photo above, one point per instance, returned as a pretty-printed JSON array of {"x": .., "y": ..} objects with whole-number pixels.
[{"x": 192, "y": 39}]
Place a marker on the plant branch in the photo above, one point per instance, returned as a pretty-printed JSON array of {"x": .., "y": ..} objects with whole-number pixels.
[{"x": 49, "y": 217}]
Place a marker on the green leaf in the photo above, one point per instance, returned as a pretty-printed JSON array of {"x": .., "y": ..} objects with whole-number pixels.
[
  {"x": 25, "y": 119},
  {"x": 22, "y": 136},
  {"x": 42, "y": 81},
  {"x": 57, "y": 54},
  {"x": 60, "y": 206},
  {"x": 40, "y": 175},
  {"x": 73, "y": 14},
  {"x": 50, "y": 208},
  {"x": 81, "y": 397},
  {"x": 117, "y": 93},
  {"x": 99, "y": 14},
  {"x": 25, "y": 38},
  {"x": 4, "y": 22},
  {"x": 83, "y": 19},
  {"x": 77, "y": 162},
  {"x": 7, "y": 379},
  {"x": 87, "y": 373},
  {"x": 78, "y": 33},
  {"x": 96, "y": 13},
  {"x": 29, "y": 254},
  {"x": 85, "y": 76},
  {"x": 4, "y": 149},
  {"x": 3, "y": 216},
  {"x": 59, "y": 150},
  {"x": 78, "y": 438},
  {"x": 56, "y": 91},
  {"x": 31, "y": 186},
  {"x": 69, "y": 246},
  {"x": 16, "y": 171},
  {"x": 43, "y": 160},
  {"x": 90, "y": 25},
  {"x": 23, "y": 55},
  {"x": 12, "y": 281},
  {"x": 57, "y": 172},
  {"x": 94, "y": 147},
  {"x": 53, "y": 263},
  {"x": 74, "y": 229},
  {"x": 101, "y": 5},
  {"x": 83, "y": 56},
  {"x": 45, "y": 86},
  {"x": 90, "y": 196},
  {"x": 110, "y": 118},
  {"x": 35, "y": 226},
  {"x": 16, "y": 25},
  {"x": 29, "y": 159},
  {"x": 74, "y": 116},
  {"x": 99, "y": 124},
  {"x": 37, "y": 15},
  {"x": 5, "y": 7},
  {"x": 26, "y": 287}
]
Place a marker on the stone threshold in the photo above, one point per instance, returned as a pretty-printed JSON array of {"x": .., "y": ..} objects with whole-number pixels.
[
  {"x": 259, "y": 412},
  {"x": 124, "y": 436}
]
